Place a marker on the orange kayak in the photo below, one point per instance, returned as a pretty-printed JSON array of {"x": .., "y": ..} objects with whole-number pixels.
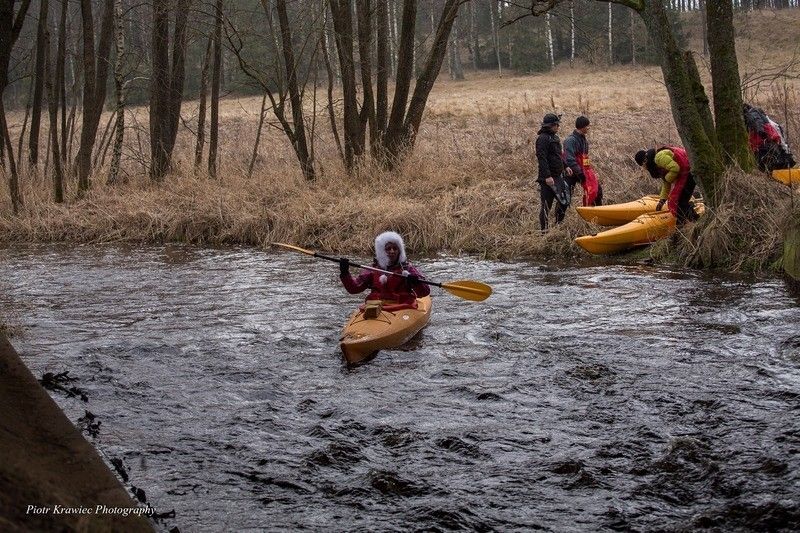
[
  {"x": 787, "y": 176},
  {"x": 642, "y": 231},
  {"x": 617, "y": 214},
  {"x": 367, "y": 333}
]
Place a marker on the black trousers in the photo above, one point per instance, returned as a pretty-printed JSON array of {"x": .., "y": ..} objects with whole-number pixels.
[
  {"x": 548, "y": 196},
  {"x": 685, "y": 210}
]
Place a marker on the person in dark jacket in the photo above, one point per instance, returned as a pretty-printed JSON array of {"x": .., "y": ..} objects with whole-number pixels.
[
  {"x": 390, "y": 254},
  {"x": 576, "y": 157},
  {"x": 552, "y": 184}
]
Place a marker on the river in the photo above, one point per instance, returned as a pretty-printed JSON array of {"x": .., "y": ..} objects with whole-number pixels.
[{"x": 574, "y": 399}]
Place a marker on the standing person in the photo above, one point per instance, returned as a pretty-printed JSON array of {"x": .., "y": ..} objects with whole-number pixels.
[
  {"x": 670, "y": 164},
  {"x": 390, "y": 254},
  {"x": 551, "y": 168},
  {"x": 576, "y": 157},
  {"x": 766, "y": 139}
]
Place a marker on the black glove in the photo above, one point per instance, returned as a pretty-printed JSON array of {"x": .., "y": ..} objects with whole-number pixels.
[
  {"x": 660, "y": 204},
  {"x": 412, "y": 279},
  {"x": 344, "y": 267}
]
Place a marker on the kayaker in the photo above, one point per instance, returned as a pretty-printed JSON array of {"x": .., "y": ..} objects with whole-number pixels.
[
  {"x": 576, "y": 157},
  {"x": 390, "y": 254},
  {"x": 670, "y": 164},
  {"x": 552, "y": 184},
  {"x": 766, "y": 139}
]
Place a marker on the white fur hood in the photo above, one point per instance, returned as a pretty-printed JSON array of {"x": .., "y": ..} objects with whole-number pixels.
[{"x": 380, "y": 244}]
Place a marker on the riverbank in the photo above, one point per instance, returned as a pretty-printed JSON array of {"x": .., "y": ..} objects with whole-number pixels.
[
  {"x": 51, "y": 478},
  {"x": 467, "y": 188}
]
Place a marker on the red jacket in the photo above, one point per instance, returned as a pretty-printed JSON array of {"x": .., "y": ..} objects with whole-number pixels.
[{"x": 396, "y": 289}]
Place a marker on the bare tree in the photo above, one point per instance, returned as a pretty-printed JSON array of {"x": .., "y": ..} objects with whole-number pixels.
[
  {"x": 166, "y": 83},
  {"x": 95, "y": 76},
  {"x": 299, "y": 141},
  {"x": 38, "y": 85},
  {"x": 119, "y": 86},
  {"x": 201, "y": 113},
  {"x": 10, "y": 27},
  {"x": 215, "y": 85},
  {"x": 53, "y": 98},
  {"x": 549, "y": 37}
]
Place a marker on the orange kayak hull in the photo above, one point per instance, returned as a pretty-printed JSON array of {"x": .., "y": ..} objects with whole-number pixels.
[
  {"x": 363, "y": 337},
  {"x": 787, "y": 176},
  {"x": 645, "y": 229},
  {"x": 618, "y": 214}
]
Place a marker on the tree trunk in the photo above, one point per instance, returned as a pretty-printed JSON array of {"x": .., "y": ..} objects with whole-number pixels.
[
  {"x": 95, "y": 75},
  {"x": 166, "y": 84},
  {"x": 331, "y": 112},
  {"x": 395, "y": 134},
  {"x": 13, "y": 176},
  {"x": 177, "y": 74},
  {"x": 367, "y": 116},
  {"x": 61, "y": 78},
  {"x": 300, "y": 143},
  {"x": 52, "y": 90},
  {"x": 36, "y": 113},
  {"x": 549, "y": 37},
  {"x": 119, "y": 86},
  {"x": 454, "y": 48},
  {"x": 201, "y": 113},
  {"x": 727, "y": 89},
  {"x": 215, "y": 81},
  {"x": 341, "y": 15},
  {"x": 159, "y": 81},
  {"x": 610, "y": 38},
  {"x": 572, "y": 33},
  {"x": 383, "y": 65},
  {"x": 473, "y": 38},
  {"x": 633, "y": 40},
  {"x": 495, "y": 33},
  {"x": 10, "y": 27},
  {"x": 700, "y": 97},
  {"x": 254, "y": 156}
]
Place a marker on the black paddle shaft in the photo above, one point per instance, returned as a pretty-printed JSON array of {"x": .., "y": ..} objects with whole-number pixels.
[{"x": 329, "y": 258}]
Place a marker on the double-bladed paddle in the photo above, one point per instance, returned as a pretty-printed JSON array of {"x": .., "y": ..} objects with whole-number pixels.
[{"x": 466, "y": 288}]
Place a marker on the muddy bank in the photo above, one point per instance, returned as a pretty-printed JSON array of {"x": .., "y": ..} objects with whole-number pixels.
[{"x": 51, "y": 478}]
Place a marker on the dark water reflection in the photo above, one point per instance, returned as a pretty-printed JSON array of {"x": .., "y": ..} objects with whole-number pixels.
[{"x": 571, "y": 400}]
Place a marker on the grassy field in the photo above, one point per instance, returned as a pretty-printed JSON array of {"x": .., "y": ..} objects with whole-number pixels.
[{"x": 468, "y": 188}]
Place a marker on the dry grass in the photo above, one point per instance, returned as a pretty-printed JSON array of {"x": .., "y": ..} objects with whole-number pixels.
[{"x": 468, "y": 187}]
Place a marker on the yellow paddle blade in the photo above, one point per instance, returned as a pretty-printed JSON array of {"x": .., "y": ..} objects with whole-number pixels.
[
  {"x": 468, "y": 289},
  {"x": 292, "y": 247}
]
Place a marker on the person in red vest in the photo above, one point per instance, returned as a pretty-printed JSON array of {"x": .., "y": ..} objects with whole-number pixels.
[
  {"x": 390, "y": 254},
  {"x": 576, "y": 157},
  {"x": 670, "y": 164}
]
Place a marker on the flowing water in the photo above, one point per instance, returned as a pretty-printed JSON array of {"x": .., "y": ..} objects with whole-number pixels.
[{"x": 574, "y": 399}]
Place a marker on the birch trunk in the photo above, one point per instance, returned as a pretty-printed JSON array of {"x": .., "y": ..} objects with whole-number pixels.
[{"x": 119, "y": 86}]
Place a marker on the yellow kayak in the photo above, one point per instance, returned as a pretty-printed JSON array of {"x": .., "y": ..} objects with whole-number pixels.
[
  {"x": 646, "y": 229},
  {"x": 787, "y": 176},
  {"x": 373, "y": 328},
  {"x": 617, "y": 214}
]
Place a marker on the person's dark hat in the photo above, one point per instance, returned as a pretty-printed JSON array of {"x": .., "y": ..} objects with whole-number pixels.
[
  {"x": 640, "y": 157},
  {"x": 581, "y": 122},
  {"x": 550, "y": 119}
]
